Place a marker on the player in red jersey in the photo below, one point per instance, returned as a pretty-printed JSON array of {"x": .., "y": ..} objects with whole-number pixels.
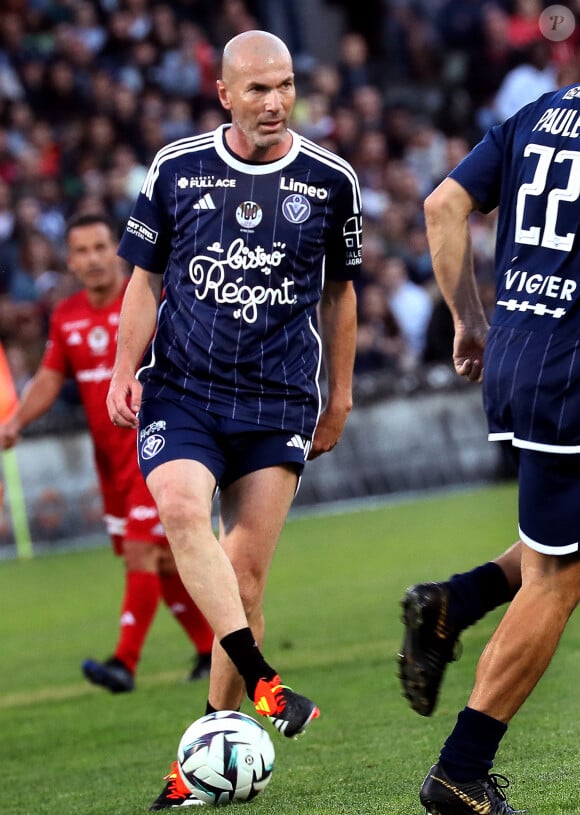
[{"x": 82, "y": 343}]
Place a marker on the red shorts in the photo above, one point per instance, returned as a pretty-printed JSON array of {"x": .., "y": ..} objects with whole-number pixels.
[{"x": 132, "y": 515}]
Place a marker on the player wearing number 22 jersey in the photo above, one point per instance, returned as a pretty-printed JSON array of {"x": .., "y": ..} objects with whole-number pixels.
[
  {"x": 530, "y": 167},
  {"x": 247, "y": 247}
]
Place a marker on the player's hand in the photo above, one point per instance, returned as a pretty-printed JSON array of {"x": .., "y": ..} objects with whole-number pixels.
[
  {"x": 124, "y": 400},
  {"x": 328, "y": 432},
  {"x": 468, "y": 349},
  {"x": 471, "y": 369},
  {"x": 9, "y": 434}
]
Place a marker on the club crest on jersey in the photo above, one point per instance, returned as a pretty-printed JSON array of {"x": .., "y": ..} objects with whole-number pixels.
[
  {"x": 151, "y": 446},
  {"x": 249, "y": 214},
  {"x": 98, "y": 339},
  {"x": 296, "y": 208}
]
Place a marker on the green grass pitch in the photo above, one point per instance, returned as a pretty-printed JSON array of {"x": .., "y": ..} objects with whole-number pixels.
[{"x": 67, "y": 748}]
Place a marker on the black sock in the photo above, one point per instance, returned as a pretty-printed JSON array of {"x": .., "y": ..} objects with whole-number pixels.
[
  {"x": 209, "y": 708},
  {"x": 473, "y": 594},
  {"x": 469, "y": 751},
  {"x": 242, "y": 649}
]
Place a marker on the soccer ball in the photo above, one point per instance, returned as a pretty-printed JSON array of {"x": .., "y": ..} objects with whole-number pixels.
[{"x": 225, "y": 756}]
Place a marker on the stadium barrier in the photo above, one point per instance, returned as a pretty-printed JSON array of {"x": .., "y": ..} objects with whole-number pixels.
[{"x": 412, "y": 442}]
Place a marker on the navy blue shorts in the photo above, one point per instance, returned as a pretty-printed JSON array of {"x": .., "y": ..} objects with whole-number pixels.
[
  {"x": 549, "y": 501},
  {"x": 230, "y": 449}
]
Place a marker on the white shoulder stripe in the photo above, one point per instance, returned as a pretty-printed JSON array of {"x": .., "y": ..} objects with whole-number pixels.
[
  {"x": 336, "y": 162},
  {"x": 315, "y": 149},
  {"x": 173, "y": 150}
]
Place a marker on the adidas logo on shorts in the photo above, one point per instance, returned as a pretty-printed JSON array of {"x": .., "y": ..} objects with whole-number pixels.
[
  {"x": 300, "y": 443},
  {"x": 297, "y": 441}
]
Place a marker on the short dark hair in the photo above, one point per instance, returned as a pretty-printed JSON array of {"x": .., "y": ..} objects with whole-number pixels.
[{"x": 90, "y": 219}]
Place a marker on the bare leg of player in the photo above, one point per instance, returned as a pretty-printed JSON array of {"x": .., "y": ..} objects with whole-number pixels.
[
  {"x": 183, "y": 491},
  {"x": 253, "y": 513},
  {"x": 510, "y": 562},
  {"x": 517, "y": 654}
]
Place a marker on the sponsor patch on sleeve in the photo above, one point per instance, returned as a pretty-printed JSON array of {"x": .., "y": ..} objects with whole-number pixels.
[{"x": 141, "y": 230}]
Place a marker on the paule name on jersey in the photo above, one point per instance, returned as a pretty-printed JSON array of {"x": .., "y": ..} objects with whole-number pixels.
[{"x": 560, "y": 122}]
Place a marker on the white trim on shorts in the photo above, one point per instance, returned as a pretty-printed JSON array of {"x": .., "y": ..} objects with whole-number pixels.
[
  {"x": 561, "y": 449},
  {"x": 547, "y": 550}
]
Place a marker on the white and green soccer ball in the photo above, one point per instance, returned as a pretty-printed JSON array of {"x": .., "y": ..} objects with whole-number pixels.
[{"x": 225, "y": 756}]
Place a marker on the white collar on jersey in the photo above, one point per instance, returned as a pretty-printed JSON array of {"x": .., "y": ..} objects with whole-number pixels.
[{"x": 251, "y": 168}]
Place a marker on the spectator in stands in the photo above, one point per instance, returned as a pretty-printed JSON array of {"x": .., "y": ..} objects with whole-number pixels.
[
  {"x": 411, "y": 305},
  {"x": 346, "y": 133},
  {"x": 394, "y": 224},
  {"x": 523, "y": 22},
  {"x": 535, "y": 75},
  {"x": 28, "y": 330},
  {"x": 19, "y": 366},
  {"x": 459, "y": 24},
  {"x": 424, "y": 153},
  {"x": 6, "y": 216},
  {"x": 488, "y": 62},
  {"x": 369, "y": 161},
  {"x": 373, "y": 254},
  {"x": 355, "y": 68},
  {"x": 164, "y": 33},
  {"x": 325, "y": 78},
  {"x": 403, "y": 185},
  {"x": 380, "y": 343},
  {"x": 417, "y": 256},
  {"x": 414, "y": 51},
  {"x": 284, "y": 19},
  {"x": 36, "y": 256},
  {"x": 179, "y": 71},
  {"x": 367, "y": 101},
  {"x": 399, "y": 122},
  {"x": 86, "y": 26},
  {"x": 62, "y": 93},
  {"x": 313, "y": 117}
]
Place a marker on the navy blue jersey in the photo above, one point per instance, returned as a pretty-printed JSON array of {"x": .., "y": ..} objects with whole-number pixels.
[
  {"x": 529, "y": 166},
  {"x": 244, "y": 249}
]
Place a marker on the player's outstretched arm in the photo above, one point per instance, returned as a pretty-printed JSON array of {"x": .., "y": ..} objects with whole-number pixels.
[
  {"x": 338, "y": 326},
  {"x": 447, "y": 211},
  {"x": 37, "y": 398},
  {"x": 136, "y": 327}
]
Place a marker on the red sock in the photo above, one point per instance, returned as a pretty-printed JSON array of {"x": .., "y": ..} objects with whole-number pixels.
[
  {"x": 187, "y": 614},
  {"x": 142, "y": 594}
]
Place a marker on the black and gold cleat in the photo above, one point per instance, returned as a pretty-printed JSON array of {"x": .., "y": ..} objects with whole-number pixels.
[{"x": 429, "y": 644}]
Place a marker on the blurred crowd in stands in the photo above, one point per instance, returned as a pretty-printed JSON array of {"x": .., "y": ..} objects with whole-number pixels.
[{"x": 91, "y": 89}]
